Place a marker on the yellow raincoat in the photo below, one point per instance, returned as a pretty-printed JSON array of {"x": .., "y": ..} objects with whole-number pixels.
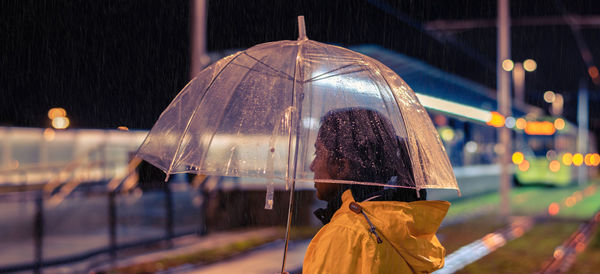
[{"x": 346, "y": 244}]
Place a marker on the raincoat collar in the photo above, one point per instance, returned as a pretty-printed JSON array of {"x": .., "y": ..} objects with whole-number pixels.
[{"x": 409, "y": 227}]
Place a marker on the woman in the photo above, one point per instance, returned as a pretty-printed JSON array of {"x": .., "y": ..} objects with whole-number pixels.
[{"x": 370, "y": 229}]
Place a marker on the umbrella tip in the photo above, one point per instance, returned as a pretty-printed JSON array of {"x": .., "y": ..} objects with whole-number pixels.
[{"x": 301, "y": 28}]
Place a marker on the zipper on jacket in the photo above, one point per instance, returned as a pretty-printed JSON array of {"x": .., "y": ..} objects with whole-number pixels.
[{"x": 356, "y": 208}]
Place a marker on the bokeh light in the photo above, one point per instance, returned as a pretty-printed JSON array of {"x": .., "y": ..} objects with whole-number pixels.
[
  {"x": 549, "y": 96},
  {"x": 567, "y": 159},
  {"x": 60, "y": 122},
  {"x": 49, "y": 134},
  {"x": 559, "y": 124},
  {"x": 510, "y": 122},
  {"x": 56, "y": 112},
  {"x": 518, "y": 158},
  {"x": 524, "y": 166},
  {"x": 577, "y": 159},
  {"x": 521, "y": 123},
  {"x": 529, "y": 65},
  {"x": 554, "y": 166},
  {"x": 508, "y": 65},
  {"x": 588, "y": 159},
  {"x": 553, "y": 209}
]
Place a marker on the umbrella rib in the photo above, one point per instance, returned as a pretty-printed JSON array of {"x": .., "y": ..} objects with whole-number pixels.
[
  {"x": 187, "y": 126},
  {"x": 253, "y": 69},
  {"x": 327, "y": 77},
  {"x": 266, "y": 65}
]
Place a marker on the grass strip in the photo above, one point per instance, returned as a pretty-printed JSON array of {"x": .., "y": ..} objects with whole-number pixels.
[
  {"x": 589, "y": 260},
  {"x": 527, "y": 253}
]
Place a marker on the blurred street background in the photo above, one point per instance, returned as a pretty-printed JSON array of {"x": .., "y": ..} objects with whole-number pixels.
[{"x": 82, "y": 83}]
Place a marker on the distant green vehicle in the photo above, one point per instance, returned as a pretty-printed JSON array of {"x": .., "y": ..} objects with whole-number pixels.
[
  {"x": 544, "y": 159},
  {"x": 543, "y": 171}
]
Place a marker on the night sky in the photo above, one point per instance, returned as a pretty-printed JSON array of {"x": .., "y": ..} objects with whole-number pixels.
[{"x": 120, "y": 63}]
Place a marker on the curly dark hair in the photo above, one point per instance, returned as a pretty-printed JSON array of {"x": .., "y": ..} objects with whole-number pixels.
[{"x": 366, "y": 140}]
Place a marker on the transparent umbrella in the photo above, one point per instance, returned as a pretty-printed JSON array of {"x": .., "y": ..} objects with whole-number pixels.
[{"x": 257, "y": 113}]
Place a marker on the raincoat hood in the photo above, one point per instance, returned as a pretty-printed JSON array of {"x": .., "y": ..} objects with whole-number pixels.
[{"x": 407, "y": 230}]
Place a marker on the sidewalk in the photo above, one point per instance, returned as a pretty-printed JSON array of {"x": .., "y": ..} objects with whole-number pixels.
[
  {"x": 267, "y": 259},
  {"x": 186, "y": 245}
]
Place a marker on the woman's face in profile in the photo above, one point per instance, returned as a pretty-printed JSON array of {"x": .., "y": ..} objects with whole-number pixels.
[{"x": 322, "y": 170}]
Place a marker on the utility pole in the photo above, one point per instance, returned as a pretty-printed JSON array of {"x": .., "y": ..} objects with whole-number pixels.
[
  {"x": 503, "y": 90},
  {"x": 582, "y": 128},
  {"x": 199, "y": 58}
]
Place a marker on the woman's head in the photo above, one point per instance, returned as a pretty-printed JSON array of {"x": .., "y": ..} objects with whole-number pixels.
[{"x": 358, "y": 144}]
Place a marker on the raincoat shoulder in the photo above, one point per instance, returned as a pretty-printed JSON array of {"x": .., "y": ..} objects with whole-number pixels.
[{"x": 407, "y": 230}]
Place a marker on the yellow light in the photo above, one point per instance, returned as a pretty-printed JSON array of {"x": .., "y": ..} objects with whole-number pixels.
[
  {"x": 549, "y": 96},
  {"x": 123, "y": 128},
  {"x": 559, "y": 124},
  {"x": 529, "y": 65},
  {"x": 508, "y": 65},
  {"x": 524, "y": 166},
  {"x": 56, "y": 112},
  {"x": 60, "y": 122},
  {"x": 577, "y": 159},
  {"x": 521, "y": 123},
  {"x": 447, "y": 134},
  {"x": 588, "y": 159},
  {"x": 518, "y": 158},
  {"x": 49, "y": 134},
  {"x": 540, "y": 128},
  {"x": 554, "y": 166},
  {"x": 497, "y": 120},
  {"x": 567, "y": 159}
]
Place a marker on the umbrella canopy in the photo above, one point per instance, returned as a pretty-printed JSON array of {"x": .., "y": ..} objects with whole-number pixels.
[{"x": 257, "y": 113}]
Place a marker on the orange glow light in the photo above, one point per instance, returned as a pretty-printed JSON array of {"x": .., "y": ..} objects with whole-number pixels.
[
  {"x": 497, "y": 120},
  {"x": 593, "y": 71},
  {"x": 524, "y": 166},
  {"x": 521, "y": 123},
  {"x": 553, "y": 209},
  {"x": 49, "y": 134},
  {"x": 540, "y": 128},
  {"x": 588, "y": 159},
  {"x": 123, "y": 128},
  {"x": 554, "y": 166},
  {"x": 567, "y": 159},
  {"x": 56, "y": 112},
  {"x": 596, "y": 159},
  {"x": 518, "y": 158},
  {"x": 577, "y": 159},
  {"x": 559, "y": 124}
]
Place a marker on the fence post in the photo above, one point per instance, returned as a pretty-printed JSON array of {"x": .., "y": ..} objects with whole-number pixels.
[
  {"x": 169, "y": 212},
  {"x": 112, "y": 223},
  {"x": 38, "y": 231}
]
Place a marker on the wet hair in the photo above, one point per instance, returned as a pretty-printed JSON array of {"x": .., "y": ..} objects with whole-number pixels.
[{"x": 367, "y": 142}]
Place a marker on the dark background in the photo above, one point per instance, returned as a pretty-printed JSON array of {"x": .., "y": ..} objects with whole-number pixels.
[{"x": 120, "y": 63}]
